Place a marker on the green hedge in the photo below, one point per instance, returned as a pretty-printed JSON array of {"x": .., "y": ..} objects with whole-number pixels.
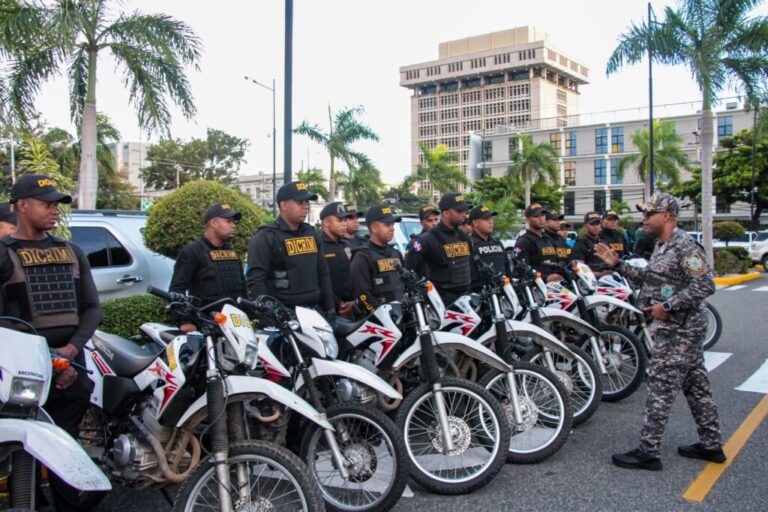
[
  {"x": 124, "y": 316},
  {"x": 732, "y": 260}
]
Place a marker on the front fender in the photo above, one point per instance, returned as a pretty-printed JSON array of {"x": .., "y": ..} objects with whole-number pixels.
[
  {"x": 593, "y": 301},
  {"x": 238, "y": 385},
  {"x": 537, "y": 334},
  {"x": 57, "y": 451},
  {"x": 569, "y": 320},
  {"x": 325, "y": 367},
  {"x": 452, "y": 341}
]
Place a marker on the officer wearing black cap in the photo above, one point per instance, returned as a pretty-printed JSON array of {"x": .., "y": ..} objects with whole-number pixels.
[
  {"x": 584, "y": 250},
  {"x": 443, "y": 253},
  {"x": 354, "y": 240},
  {"x": 210, "y": 268},
  {"x": 285, "y": 258},
  {"x": 488, "y": 249},
  {"x": 47, "y": 282},
  {"x": 429, "y": 216},
  {"x": 610, "y": 235},
  {"x": 375, "y": 276},
  {"x": 537, "y": 248},
  {"x": 552, "y": 231},
  {"x": 8, "y": 220},
  {"x": 337, "y": 253}
]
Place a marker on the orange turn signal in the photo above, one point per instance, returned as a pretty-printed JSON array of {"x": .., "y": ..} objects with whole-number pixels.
[
  {"x": 220, "y": 318},
  {"x": 538, "y": 275},
  {"x": 506, "y": 281},
  {"x": 60, "y": 364},
  {"x": 429, "y": 286},
  {"x": 575, "y": 266}
]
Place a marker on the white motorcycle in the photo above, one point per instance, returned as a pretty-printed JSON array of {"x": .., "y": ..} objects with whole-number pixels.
[{"x": 28, "y": 437}]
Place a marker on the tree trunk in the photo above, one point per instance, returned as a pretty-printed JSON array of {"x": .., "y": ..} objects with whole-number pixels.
[
  {"x": 88, "y": 178},
  {"x": 706, "y": 176},
  {"x": 527, "y": 192}
]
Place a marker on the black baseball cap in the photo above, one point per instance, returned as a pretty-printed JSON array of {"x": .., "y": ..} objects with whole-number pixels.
[
  {"x": 534, "y": 210},
  {"x": 337, "y": 209},
  {"x": 297, "y": 190},
  {"x": 611, "y": 214},
  {"x": 592, "y": 217},
  {"x": 39, "y": 187},
  {"x": 352, "y": 211},
  {"x": 454, "y": 201},
  {"x": 481, "y": 212},
  {"x": 222, "y": 210},
  {"x": 6, "y": 215},
  {"x": 427, "y": 210},
  {"x": 554, "y": 216},
  {"x": 381, "y": 213}
]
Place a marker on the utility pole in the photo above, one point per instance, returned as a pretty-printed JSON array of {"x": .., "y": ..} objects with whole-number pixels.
[
  {"x": 287, "y": 129},
  {"x": 650, "y": 100}
]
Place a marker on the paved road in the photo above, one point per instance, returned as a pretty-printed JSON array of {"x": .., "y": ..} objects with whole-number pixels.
[{"x": 581, "y": 477}]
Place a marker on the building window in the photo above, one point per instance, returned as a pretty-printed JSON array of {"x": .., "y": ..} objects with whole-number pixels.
[
  {"x": 569, "y": 203},
  {"x": 617, "y": 196},
  {"x": 472, "y": 126},
  {"x": 520, "y": 90},
  {"x": 449, "y": 114},
  {"x": 501, "y": 59},
  {"x": 428, "y": 117},
  {"x": 454, "y": 66},
  {"x": 570, "y": 143},
  {"x": 494, "y": 79},
  {"x": 512, "y": 146},
  {"x": 617, "y": 139},
  {"x": 428, "y": 89},
  {"x": 615, "y": 178},
  {"x": 721, "y": 206},
  {"x": 477, "y": 63},
  {"x": 487, "y": 151},
  {"x": 427, "y": 103},
  {"x": 449, "y": 99},
  {"x": 471, "y": 97},
  {"x": 473, "y": 111},
  {"x": 522, "y": 74},
  {"x": 469, "y": 83},
  {"x": 494, "y": 94},
  {"x": 600, "y": 172},
  {"x": 569, "y": 174},
  {"x": 520, "y": 105},
  {"x": 491, "y": 124},
  {"x": 555, "y": 140},
  {"x": 725, "y": 126},
  {"x": 450, "y": 128},
  {"x": 601, "y": 140},
  {"x": 494, "y": 108},
  {"x": 599, "y": 204},
  {"x": 433, "y": 70},
  {"x": 520, "y": 122},
  {"x": 449, "y": 86}
]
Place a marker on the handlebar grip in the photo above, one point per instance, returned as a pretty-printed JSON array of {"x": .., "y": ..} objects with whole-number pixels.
[
  {"x": 247, "y": 303},
  {"x": 169, "y": 296}
]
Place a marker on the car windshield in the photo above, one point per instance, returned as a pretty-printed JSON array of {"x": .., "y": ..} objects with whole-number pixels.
[
  {"x": 762, "y": 236},
  {"x": 410, "y": 227}
]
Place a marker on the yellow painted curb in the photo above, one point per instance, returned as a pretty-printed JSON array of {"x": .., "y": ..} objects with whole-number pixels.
[{"x": 743, "y": 278}]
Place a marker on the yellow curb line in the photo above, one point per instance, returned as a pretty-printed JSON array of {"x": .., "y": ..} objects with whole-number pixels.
[
  {"x": 700, "y": 488},
  {"x": 737, "y": 279}
]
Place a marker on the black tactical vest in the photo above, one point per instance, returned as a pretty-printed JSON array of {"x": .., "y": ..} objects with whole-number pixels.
[
  {"x": 43, "y": 286},
  {"x": 614, "y": 240},
  {"x": 561, "y": 246},
  {"x": 450, "y": 271},
  {"x": 386, "y": 280},
  {"x": 294, "y": 280},
  {"x": 228, "y": 268},
  {"x": 490, "y": 251}
]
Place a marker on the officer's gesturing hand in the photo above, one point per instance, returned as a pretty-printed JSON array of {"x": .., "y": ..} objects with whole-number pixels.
[
  {"x": 657, "y": 311},
  {"x": 69, "y": 351},
  {"x": 606, "y": 254},
  {"x": 66, "y": 378}
]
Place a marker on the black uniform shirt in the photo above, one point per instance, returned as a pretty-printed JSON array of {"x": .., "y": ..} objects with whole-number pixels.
[
  {"x": 337, "y": 255},
  {"x": 446, "y": 264},
  {"x": 584, "y": 250},
  {"x": 375, "y": 274},
  {"x": 614, "y": 240},
  {"x": 538, "y": 251},
  {"x": 489, "y": 251},
  {"x": 561, "y": 246},
  {"x": 355, "y": 242}
]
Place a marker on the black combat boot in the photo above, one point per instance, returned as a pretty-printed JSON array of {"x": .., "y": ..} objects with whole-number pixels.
[
  {"x": 637, "y": 459},
  {"x": 697, "y": 451}
]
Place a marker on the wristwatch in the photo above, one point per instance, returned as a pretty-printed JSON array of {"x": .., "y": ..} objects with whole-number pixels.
[{"x": 667, "y": 306}]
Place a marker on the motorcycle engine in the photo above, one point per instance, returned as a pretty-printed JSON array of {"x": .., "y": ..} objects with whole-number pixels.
[
  {"x": 353, "y": 391},
  {"x": 130, "y": 457}
]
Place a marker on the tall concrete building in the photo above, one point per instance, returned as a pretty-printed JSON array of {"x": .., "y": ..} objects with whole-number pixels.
[{"x": 509, "y": 78}]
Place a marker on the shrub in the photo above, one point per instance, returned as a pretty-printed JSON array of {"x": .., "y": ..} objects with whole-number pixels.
[
  {"x": 732, "y": 260},
  {"x": 727, "y": 230},
  {"x": 124, "y": 316},
  {"x": 177, "y": 218}
]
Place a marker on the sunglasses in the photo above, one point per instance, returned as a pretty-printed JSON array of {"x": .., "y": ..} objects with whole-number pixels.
[{"x": 648, "y": 215}]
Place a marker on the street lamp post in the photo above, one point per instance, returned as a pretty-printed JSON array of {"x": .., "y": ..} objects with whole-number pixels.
[
  {"x": 650, "y": 99},
  {"x": 274, "y": 142}
]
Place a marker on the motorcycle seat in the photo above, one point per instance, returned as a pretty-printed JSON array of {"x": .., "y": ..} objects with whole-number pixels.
[
  {"x": 169, "y": 335},
  {"x": 343, "y": 327},
  {"x": 125, "y": 357}
]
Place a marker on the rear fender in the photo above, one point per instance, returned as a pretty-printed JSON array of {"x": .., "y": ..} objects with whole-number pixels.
[
  {"x": 568, "y": 320},
  {"x": 593, "y": 301}
]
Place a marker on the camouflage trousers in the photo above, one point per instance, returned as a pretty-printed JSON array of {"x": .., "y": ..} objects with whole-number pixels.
[{"x": 665, "y": 380}]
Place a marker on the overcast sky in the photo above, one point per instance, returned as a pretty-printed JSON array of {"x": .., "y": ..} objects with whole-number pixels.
[{"x": 347, "y": 52}]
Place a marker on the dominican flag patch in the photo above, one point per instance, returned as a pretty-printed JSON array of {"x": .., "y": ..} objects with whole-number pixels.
[{"x": 416, "y": 246}]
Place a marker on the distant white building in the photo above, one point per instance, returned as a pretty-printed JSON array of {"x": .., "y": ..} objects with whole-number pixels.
[{"x": 259, "y": 187}]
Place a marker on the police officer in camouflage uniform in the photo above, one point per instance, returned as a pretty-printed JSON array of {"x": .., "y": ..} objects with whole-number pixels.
[
  {"x": 210, "y": 268},
  {"x": 674, "y": 286}
]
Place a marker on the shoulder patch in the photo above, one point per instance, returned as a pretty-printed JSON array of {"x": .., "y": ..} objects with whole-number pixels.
[{"x": 695, "y": 263}]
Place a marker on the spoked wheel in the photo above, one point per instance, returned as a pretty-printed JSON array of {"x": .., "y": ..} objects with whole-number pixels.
[
  {"x": 624, "y": 359},
  {"x": 714, "y": 326},
  {"x": 264, "y": 477},
  {"x": 546, "y": 414},
  {"x": 478, "y": 431},
  {"x": 375, "y": 452},
  {"x": 578, "y": 375}
]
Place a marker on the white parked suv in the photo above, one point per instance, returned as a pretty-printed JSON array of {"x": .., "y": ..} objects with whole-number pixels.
[
  {"x": 758, "y": 249},
  {"x": 113, "y": 242}
]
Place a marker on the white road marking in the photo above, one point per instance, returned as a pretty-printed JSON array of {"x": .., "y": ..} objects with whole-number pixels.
[
  {"x": 408, "y": 492},
  {"x": 714, "y": 359},
  {"x": 761, "y": 289},
  {"x": 758, "y": 381},
  {"x": 720, "y": 286},
  {"x": 736, "y": 287}
]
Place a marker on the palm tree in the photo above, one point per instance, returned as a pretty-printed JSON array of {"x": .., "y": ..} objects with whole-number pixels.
[
  {"x": 362, "y": 186},
  {"x": 315, "y": 181},
  {"x": 533, "y": 162},
  {"x": 668, "y": 158},
  {"x": 150, "y": 51},
  {"x": 440, "y": 169},
  {"x": 721, "y": 45},
  {"x": 344, "y": 131}
]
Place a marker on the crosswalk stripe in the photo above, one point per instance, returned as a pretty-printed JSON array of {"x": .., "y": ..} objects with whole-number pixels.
[
  {"x": 758, "y": 381},
  {"x": 714, "y": 359},
  {"x": 761, "y": 289},
  {"x": 736, "y": 287}
]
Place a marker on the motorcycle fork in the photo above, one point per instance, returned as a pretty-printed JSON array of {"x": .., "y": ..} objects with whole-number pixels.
[
  {"x": 501, "y": 342},
  {"x": 219, "y": 438}
]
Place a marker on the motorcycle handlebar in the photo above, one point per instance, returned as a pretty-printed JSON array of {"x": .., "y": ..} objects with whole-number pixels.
[{"x": 169, "y": 296}]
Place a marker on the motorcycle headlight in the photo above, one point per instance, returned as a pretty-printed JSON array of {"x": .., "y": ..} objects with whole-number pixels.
[
  {"x": 433, "y": 320},
  {"x": 26, "y": 391},
  {"x": 329, "y": 342},
  {"x": 251, "y": 351}
]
